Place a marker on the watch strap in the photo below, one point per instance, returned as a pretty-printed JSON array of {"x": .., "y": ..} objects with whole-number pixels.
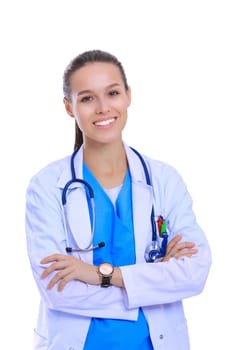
[{"x": 105, "y": 281}]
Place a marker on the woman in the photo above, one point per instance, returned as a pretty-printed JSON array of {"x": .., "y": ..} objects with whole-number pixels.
[{"x": 125, "y": 293}]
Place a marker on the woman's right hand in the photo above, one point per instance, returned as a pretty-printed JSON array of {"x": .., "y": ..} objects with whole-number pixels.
[{"x": 177, "y": 250}]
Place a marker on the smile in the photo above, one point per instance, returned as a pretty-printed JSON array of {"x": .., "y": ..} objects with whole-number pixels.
[{"x": 105, "y": 122}]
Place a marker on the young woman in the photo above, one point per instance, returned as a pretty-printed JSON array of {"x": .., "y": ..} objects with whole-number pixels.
[{"x": 98, "y": 223}]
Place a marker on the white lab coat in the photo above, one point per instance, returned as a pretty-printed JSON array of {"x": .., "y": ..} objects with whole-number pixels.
[{"x": 158, "y": 288}]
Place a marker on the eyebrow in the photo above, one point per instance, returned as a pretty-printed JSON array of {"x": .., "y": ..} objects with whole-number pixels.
[{"x": 83, "y": 92}]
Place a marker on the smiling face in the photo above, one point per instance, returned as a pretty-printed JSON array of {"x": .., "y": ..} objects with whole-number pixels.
[{"x": 99, "y": 102}]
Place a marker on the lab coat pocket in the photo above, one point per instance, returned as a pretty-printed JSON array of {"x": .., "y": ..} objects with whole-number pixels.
[{"x": 39, "y": 342}]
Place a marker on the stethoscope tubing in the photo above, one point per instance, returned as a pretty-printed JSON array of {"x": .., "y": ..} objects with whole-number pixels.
[{"x": 89, "y": 247}]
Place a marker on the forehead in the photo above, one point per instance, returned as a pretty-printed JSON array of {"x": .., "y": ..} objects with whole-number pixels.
[{"x": 95, "y": 75}]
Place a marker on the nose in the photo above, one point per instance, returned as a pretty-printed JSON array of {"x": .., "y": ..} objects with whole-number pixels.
[{"x": 102, "y": 106}]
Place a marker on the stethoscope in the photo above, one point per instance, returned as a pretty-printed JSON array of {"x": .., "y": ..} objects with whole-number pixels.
[{"x": 154, "y": 251}]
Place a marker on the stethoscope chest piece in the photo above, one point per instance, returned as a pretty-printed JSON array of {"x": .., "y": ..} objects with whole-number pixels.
[{"x": 153, "y": 253}]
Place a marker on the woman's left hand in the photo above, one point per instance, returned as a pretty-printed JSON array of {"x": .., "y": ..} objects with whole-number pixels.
[
  {"x": 68, "y": 268},
  {"x": 176, "y": 250}
]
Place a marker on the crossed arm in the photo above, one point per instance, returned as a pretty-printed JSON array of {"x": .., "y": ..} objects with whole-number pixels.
[{"x": 70, "y": 268}]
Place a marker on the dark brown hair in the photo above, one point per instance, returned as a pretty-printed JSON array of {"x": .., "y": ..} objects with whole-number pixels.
[{"x": 79, "y": 62}]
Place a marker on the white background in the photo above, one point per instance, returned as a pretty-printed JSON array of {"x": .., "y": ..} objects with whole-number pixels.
[{"x": 178, "y": 57}]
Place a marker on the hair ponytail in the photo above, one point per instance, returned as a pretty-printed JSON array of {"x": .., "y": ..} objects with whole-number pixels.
[{"x": 78, "y": 137}]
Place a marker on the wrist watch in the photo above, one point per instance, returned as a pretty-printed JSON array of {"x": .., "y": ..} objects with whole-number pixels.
[{"x": 105, "y": 271}]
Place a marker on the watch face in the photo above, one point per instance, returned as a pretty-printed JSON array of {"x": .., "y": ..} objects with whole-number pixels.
[{"x": 106, "y": 269}]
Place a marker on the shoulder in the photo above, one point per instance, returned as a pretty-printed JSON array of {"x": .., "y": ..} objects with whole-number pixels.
[
  {"x": 168, "y": 184},
  {"x": 50, "y": 174},
  {"x": 159, "y": 171},
  {"x": 160, "y": 167}
]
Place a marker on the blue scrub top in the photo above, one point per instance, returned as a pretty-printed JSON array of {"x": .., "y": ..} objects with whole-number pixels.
[{"x": 114, "y": 226}]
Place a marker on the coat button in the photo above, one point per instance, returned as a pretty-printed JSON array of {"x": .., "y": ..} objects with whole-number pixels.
[{"x": 161, "y": 336}]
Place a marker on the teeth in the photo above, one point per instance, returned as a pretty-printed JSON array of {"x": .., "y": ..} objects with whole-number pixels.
[{"x": 105, "y": 122}]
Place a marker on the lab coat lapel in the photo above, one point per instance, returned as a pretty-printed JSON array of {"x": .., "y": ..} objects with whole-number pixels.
[
  {"x": 142, "y": 204},
  {"x": 78, "y": 217},
  {"x": 79, "y": 225},
  {"x": 142, "y": 195}
]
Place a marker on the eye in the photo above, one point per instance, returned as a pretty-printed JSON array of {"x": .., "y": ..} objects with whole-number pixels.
[
  {"x": 114, "y": 92},
  {"x": 86, "y": 99}
]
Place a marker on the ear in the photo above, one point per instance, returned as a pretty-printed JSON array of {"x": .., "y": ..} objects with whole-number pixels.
[
  {"x": 68, "y": 107},
  {"x": 129, "y": 96}
]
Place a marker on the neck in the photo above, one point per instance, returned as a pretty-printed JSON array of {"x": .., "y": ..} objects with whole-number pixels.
[{"x": 107, "y": 162}]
